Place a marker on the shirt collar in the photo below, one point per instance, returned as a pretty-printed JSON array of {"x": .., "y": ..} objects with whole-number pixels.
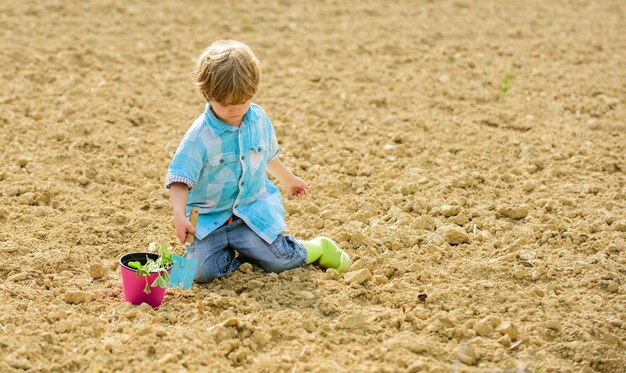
[{"x": 217, "y": 126}]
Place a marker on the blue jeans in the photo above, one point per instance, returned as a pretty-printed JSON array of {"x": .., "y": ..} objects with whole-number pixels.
[{"x": 216, "y": 252}]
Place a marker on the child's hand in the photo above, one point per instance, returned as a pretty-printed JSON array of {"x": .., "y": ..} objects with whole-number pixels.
[
  {"x": 182, "y": 227},
  {"x": 297, "y": 188}
]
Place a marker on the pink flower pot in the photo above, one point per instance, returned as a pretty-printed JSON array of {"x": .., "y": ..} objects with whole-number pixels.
[{"x": 134, "y": 286}]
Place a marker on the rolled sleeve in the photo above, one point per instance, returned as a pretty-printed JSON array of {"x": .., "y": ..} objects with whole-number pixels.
[
  {"x": 171, "y": 179},
  {"x": 186, "y": 165}
]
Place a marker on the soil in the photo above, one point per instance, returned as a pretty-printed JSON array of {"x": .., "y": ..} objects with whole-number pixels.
[{"x": 469, "y": 155}]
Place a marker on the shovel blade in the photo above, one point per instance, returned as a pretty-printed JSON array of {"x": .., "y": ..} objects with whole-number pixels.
[{"x": 183, "y": 272}]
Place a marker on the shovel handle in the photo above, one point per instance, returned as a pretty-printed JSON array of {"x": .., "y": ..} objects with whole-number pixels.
[{"x": 193, "y": 218}]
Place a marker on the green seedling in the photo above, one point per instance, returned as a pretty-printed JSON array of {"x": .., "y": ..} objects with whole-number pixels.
[
  {"x": 161, "y": 265},
  {"x": 505, "y": 85}
]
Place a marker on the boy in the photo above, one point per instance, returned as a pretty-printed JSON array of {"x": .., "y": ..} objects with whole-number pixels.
[{"x": 220, "y": 167}]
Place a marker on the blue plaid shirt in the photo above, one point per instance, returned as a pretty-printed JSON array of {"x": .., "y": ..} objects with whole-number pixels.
[{"x": 224, "y": 168}]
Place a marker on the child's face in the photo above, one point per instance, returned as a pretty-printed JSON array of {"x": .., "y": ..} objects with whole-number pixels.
[{"x": 231, "y": 114}]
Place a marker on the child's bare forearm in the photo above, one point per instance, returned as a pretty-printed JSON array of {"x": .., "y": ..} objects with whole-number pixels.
[
  {"x": 277, "y": 169},
  {"x": 178, "y": 196}
]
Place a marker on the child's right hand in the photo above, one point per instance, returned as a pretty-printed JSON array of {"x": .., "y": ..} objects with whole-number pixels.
[{"x": 182, "y": 227}]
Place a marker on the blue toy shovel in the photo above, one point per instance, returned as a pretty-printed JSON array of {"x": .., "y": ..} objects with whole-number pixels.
[{"x": 184, "y": 269}]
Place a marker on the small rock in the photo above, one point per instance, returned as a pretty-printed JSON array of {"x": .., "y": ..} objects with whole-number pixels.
[
  {"x": 97, "y": 270},
  {"x": 466, "y": 354},
  {"x": 66, "y": 274},
  {"x": 610, "y": 219},
  {"x": 535, "y": 275},
  {"x": 401, "y": 268},
  {"x": 435, "y": 239},
  {"x": 453, "y": 234},
  {"x": 505, "y": 340},
  {"x": 246, "y": 268},
  {"x": 260, "y": 338},
  {"x": 519, "y": 274},
  {"x": 444, "y": 78},
  {"x": 446, "y": 320},
  {"x": 406, "y": 340},
  {"x": 483, "y": 328},
  {"x": 537, "y": 292},
  {"x": 421, "y": 313},
  {"x": 359, "y": 276},
  {"x": 482, "y": 236},
  {"x": 364, "y": 263},
  {"x": 423, "y": 222},
  {"x": 76, "y": 296},
  {"x": 82, "y": 180},
  {"x": 355, "y": 320},
  {"x": 611, "y": 338},
  {"x": 619, "y": 226},
  {"x": 331, "y": 274},
  {"x": 514, "y": 212},
  {"x": 409, "y": 188},
  {"x": 380, "y": 279},
  {"x": 19, "y": 277},
  {"x": 507, "y": 328},
  {"x": 449, "y": 210},
  {"x": 254, "y": 284},
  {"x": 460, "y": 219},
  {"x": 552, "y": 324}
]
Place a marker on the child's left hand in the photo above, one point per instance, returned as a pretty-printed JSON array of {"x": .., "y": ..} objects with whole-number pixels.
[{"x": 297, "y": 188}]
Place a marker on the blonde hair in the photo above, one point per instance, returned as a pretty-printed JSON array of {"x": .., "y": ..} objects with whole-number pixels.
[{"x": 227, "y": 72}]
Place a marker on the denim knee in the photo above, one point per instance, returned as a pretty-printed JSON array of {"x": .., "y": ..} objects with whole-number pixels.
[
  {"x": 216, "y": 264},
  {"x": 292, "y": 255},
  {"x": 277, "y": 266}
]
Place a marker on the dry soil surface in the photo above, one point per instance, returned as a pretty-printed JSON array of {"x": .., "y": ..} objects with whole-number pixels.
[{"x": 469, "y": 155}]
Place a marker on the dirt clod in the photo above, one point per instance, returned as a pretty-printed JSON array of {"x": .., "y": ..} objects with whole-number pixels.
[
  {"x": 453, "y": 234},
  {"x": 514, "y": 212},
  {"x": 97, "y": 270},
  {"x": 76, "y": 296},
  {"x": 358, "y": 277}
]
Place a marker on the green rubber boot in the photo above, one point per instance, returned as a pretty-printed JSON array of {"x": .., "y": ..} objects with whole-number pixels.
[{"x": 327, "y": 253}]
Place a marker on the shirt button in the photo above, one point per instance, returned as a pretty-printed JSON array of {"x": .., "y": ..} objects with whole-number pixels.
[
  {"x": 258, "y": 149},
  {"x": 241, "y": 183},
  {"x": 242, "y": 157},
  {"x": 221, "y": 160},
  {"x": 236, "y": 206},
  {"x": 215, "y": 222}
]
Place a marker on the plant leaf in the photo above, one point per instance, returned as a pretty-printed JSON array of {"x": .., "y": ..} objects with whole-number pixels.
[{"x": 160, "y": 282}]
